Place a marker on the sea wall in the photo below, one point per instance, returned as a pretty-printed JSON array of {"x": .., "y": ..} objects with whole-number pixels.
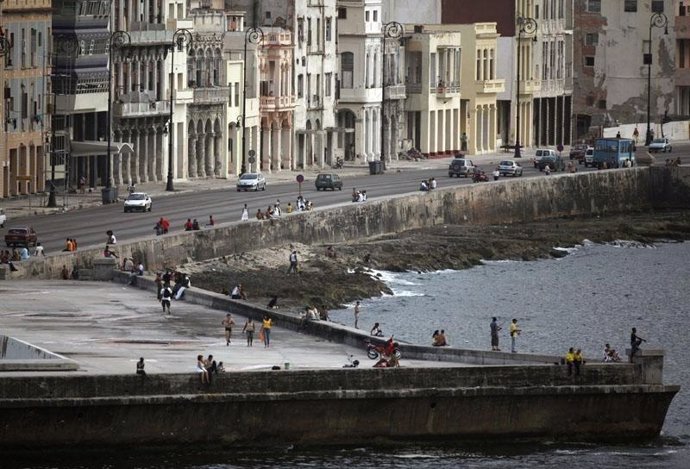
[
  {"x": 332, "y": 406},
  {"x": 507, "y": 201}
]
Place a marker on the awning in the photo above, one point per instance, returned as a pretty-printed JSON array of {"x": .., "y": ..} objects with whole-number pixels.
[{"x": 97, "y": 147}]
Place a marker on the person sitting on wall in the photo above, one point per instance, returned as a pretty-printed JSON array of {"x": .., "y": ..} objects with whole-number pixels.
[{"x": 423, "y": 186}]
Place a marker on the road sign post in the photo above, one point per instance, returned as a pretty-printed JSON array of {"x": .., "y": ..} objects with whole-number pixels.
[{"x": 300, "y": 180}]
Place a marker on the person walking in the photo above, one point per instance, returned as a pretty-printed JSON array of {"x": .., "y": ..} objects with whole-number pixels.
[
  {"x": 166, "y": 296},
  {"x": 266, "y": 326},
  {"x": 514, "y": 333},
  {"x": 245, "y": 213},
  {"x": 494, "y": 334},
  {"x": 227, "y": 324},
  {"x": 249, "y": 330},
  {"x": 357, "y": 311},
  {"x": 293, "y": 263}
]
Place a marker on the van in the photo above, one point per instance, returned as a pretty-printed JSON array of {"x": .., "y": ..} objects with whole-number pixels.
[
  {"x": 328, "y": 181},
  {"x": 541, "y": 153}
]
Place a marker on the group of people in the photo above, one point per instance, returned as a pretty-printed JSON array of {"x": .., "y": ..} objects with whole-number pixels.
[
  {"x": 574, "y": 359},
  {"x": 427, "y": 184},
  {"x": 359, "y": 196},
  {"x": 439, "y": 339},
  {"x": 610, "y": 354},
  {"x": 672, "y": 162},
  {"x": 207, "y": 368},
  {"x": 162, "y": 226},
  {"x": 70, "y": 245},
  {"x": 168, "y": 291},
  {"x": 388, "y": 358}
]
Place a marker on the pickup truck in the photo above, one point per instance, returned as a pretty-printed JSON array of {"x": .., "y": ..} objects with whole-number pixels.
[{"x": 21, "y": 236}]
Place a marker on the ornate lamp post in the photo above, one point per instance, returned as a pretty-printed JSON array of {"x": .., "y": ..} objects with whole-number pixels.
[
  {"x": 182, "y": 38},
  {"x": 391, "y": 30},
  {"x": 525, "y": 25},
  {"x": 657, "y": 20},
  {"x": 118, "y": 40},
  {"x": 253, "y": 36}
]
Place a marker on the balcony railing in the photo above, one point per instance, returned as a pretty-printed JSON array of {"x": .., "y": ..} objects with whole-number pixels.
[
  {"x": 216, "y": 95},
  {"x": 413, "y": 88},
  {"x": 491, "y": 86},
  {"x": 153, "y": 108},
  {"x": 277, "y": 103},
  {"x": 446, "y": 91}
]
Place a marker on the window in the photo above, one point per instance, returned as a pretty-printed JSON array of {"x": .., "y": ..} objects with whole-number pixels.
[
  {"x": 347, "y": 63},
  {"x": 594, "y": 6},
  {"x": 601, "y": 104},
  {"x": 309, "y": 31},
  {"x": 328, "y": 29},
  {"x": 342, "y": 13},
  {"x": 590, "y": 101},
  {"x": 300, "y": 85},
  {"x": 268, "y": 15},
  {"x": 478, "y": 73},
  {"x": 300, "y": 29},
  {"x": 657, "y": 6},
  {"x": 328, "y": 83},
  {"x": 589, "y": 61},
  {"x": 592, "y": 39},
  {"x": 366, "y": 16},
  {"x": 630, "y": 6},
  {"x": 376, "y": 15}
]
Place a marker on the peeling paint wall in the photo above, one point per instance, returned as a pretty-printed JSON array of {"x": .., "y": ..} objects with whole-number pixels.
[{"x": 613, "y": 90}]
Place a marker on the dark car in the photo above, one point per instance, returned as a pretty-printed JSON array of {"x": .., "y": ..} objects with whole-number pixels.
[
  {"x": 577, "y": 152},
  {"x": 555, "y": 163},
  {"x": 461, "y": 166},
  {"x": 328, "y": 181},
  {"x": 21, "y": 236}
]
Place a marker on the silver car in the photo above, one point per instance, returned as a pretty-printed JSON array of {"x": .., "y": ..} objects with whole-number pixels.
[
  {"x": 251, "y": 182},
  {"x": 138, "y": 201},
  {"x": 509, "y": 168}
]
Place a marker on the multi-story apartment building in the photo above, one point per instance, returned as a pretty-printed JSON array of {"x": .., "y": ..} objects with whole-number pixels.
[
  {"x": 612, "y": 38},
  {"x": 435, "y": 112},
  {"x": 553, "y": 62},
  {"x": 480, "y": 86},
  {"x": 26, "y": 68},
  {"x": 682, "y": 59}
]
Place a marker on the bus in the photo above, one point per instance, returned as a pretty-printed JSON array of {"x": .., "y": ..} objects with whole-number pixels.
[{"x": 613, "y": 152}]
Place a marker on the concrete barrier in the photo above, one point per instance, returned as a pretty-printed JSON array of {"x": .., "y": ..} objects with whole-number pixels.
[
  {"x": 523, "y": 200},
  {"x": 17, "y": 355}
]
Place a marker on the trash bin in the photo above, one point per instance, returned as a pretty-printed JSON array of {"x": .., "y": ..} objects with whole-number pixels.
[
  {"x": 108, "y": 195},
  {"x": 375, "y": 167}
]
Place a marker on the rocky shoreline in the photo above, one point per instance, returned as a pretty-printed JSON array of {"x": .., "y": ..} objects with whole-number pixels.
[{"x": 329, "y": 283}]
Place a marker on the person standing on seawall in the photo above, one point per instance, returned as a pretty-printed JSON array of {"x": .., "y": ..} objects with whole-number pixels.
[
  {"x": 514, "y": 333},
  {"x": 357, "y": 311},
  {"x": 494, "y": 334},
  {"x": 266, "y": 325},
  {"x": 635, "y": 342}
]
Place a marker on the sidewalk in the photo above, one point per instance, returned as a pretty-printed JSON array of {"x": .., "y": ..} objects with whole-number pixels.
[{"x": 35, "y": 204}]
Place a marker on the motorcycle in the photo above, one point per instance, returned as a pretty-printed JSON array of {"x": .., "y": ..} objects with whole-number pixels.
[
  {"x": 375, "y": 351},
  {"x": 480, "y": 176},
  {"x": 338, "y": 163}
]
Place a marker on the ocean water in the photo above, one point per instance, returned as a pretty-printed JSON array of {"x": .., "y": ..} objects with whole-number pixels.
[{"x": 590, "y": 297}]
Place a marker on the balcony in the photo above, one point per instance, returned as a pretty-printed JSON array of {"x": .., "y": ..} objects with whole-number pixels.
[
  {"x": 413, "y": 88},
  {"x": 445, "y": 91},
  {"x": 183, "y": 96},
  {"x": 490, "y": 86},
  {"x": 315, "y": 103},
  {"x": 277, "y": 103},
  {"x": 130, "y": 110},
  {"x": 530, "y": 86},
  {"x": 151, "y": 34},
  {"x": 396, "y": 92},
  {"x": 215, "y": 95}
]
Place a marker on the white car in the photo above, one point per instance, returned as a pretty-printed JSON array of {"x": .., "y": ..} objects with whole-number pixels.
[
  {"x": 509, "y": 168},
  {"x": 251, "y": 182},
  {"x": 660, "y": 144},
  {"x": 3, "y": 218},
  {"x": 138, "y": 201}
]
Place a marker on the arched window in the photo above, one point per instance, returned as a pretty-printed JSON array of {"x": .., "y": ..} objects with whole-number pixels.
[{"x": 347, "y": 64}]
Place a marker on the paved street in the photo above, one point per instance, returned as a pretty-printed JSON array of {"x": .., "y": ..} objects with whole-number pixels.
[
  {"x": 106, "y": 327},
  {"x": 218, "y": 197}
]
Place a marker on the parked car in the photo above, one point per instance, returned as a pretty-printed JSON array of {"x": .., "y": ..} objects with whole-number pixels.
[
  {"x": 554, "y": 161},
  {"x": 328, "y": 181},
  {"x": 21, "y": 236},
  {"x": 138, "y": 201},
  {"x": 589, "y": 157},
  {"x": 509, "y": 168},
  {"x": 541, "y": 153},
  {"x": 660, "y": 145},
  {"x": 3, "y": 218},
  {"x": 577, "y": 152},
  {"x": 251, "y": 182},
  {"x": 461, "y": 166}
]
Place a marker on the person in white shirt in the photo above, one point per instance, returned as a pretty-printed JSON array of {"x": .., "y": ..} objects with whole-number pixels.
[{"x": 38, "y": 250}]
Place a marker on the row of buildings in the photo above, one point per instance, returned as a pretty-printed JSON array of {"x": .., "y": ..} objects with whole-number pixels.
[{"x": 182, "y": 89}]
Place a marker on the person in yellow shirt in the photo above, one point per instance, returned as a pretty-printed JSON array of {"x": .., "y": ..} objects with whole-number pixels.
[
  {"x": 578, "y": 360},
  {"x": 514, "y": 333},
  {"x": 570, "y": 360},
  {"x": 266, "y": 325}
]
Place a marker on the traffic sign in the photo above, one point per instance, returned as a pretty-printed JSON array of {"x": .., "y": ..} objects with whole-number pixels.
[
  {"x": 300, "y": 178},
  {"x": 251, "y": 160}
]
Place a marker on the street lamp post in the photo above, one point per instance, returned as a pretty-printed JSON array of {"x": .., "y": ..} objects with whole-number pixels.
[
  {"x": 252, "y": 35},
  {"x": 182, "y": 38},
  {"x": 118, "y": 40},
  {"x": 525, "y": 25},
  {"x": 391, "y": 30},
  {"x": 657, "y": 20}
]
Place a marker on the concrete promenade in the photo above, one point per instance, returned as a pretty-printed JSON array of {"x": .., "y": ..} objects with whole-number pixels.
[{"x": 105, "y": 327}]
